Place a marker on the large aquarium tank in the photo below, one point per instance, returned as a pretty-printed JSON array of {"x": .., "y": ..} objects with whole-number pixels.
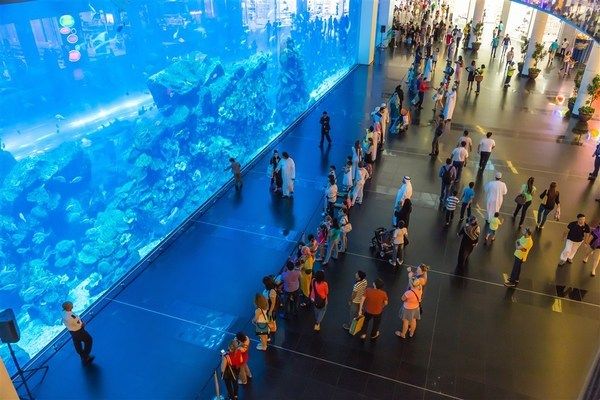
[{"x": 117, "y": 118}]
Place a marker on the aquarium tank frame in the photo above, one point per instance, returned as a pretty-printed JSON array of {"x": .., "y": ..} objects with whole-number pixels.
[{"x": 60, "y": 340}]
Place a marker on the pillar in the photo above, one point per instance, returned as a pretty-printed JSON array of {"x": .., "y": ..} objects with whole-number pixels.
[
  {"x": 505, "y": 13},
  {"x": 477, "y": 17},
  {"x": 478, "y": 11},
  {"x": 568, "y": 32},
  {"x": 537, "y": 35},
  {"x": 7, "y": 389},
  {"x": 592, "y": 68},
  {"x": 385, "y": 17},
  {"x": 367, "y": 31}
]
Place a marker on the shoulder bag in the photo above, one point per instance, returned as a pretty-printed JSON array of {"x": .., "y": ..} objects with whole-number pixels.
[
  {"x": 318, "y": 301},
  {"x": 419, "y": 300},
  {"x": 262, "y": 328}
]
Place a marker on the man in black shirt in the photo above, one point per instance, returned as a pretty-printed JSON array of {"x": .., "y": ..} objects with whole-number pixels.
[
  {"x": 325, "y": 128},
  {"x": 577, "y": 232},
  {"x": 400, "y": 94}
]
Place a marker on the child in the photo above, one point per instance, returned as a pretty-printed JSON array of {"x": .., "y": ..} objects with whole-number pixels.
[
  {"x": 467, "y": 199},
  {"x": 347, "y": 181},
  {"x": 434, "y": 57},
  {"x": 493, "y": 225},
  {"x": 322, "y": 233},
  {"x": 451, "y": 202},
  {"x": 332, "y": 172}
]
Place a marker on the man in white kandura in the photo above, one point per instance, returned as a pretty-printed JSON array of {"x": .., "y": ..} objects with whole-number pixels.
[
  {"x": 494, "y": 195},
  {"x": 288, "y": 174},
  {"x": 405, "y": 192}
]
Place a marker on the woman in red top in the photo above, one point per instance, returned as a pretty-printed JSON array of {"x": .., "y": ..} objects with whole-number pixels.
[{"x": 319, "y": 295}]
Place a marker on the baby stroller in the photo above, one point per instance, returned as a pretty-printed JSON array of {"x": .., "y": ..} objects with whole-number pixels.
[{"x": 381, "y": 242}]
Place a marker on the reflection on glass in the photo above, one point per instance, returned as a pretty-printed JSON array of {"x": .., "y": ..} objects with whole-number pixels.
[{"x": 118, "y": 119}]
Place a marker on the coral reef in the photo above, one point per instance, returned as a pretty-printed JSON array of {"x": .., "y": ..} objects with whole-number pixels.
[{"x": 74, "y": 219}]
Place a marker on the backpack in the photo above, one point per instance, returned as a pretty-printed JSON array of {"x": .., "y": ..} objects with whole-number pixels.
[{"x": 447, "y": 176}]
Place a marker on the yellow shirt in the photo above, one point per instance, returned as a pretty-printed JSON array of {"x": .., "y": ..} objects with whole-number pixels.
[
  {"x": 495, "y": 223},
  {"x": 527, "y": 244}
]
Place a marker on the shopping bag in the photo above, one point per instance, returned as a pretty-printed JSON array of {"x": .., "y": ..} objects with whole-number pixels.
[{"x": 357, "y": 324}]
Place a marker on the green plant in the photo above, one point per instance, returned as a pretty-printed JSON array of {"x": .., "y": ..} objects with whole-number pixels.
[
  {"x": 478, "y": 31},
  {"x": 538, "y": 54},
  {"x": 593, "y": 91},
  {"x": 578, "y": 76},
  {"x": 524, "y": 45}
]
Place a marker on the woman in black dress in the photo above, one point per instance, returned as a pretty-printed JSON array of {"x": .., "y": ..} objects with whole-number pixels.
[
  {"x": 403, "y": 213},
  {"x": 276, "y": 180},
  {"x": 470, "y": 236}
]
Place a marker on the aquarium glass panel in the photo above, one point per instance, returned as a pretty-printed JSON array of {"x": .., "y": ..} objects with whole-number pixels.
[{"x": 117, "y": 119}]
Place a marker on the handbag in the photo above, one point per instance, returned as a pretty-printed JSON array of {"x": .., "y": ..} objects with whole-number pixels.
[
  {"x": 346, "y": 228},
  {"x": 520, "y": 199},
  {"x": 262, "y": 328},
  {"x": 319, "y": 301},
  {"x": 419, "y": 300},
  {"x": 357, "y": 324},
  {"x": 478, "y": 78}
]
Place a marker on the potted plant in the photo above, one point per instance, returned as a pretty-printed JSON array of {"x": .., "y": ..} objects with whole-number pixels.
[
  {"x": 524, "y": 45},
  {"x": 477, "y": 31},
  {"x": 573, "y": 98},
  {"x": 593, "y": 90},
  {"x": 538, "y": 55}
]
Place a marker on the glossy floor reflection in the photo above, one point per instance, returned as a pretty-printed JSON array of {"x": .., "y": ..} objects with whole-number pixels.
[{"x": 160, "y": 336}]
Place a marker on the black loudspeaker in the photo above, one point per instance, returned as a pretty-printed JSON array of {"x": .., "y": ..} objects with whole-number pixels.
[
  {"x": 9, "y": 330},
  {"x": 382, "y": 29}
]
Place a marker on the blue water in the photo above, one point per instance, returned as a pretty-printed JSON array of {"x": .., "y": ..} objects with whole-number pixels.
[{"x": 117, "y": 119}]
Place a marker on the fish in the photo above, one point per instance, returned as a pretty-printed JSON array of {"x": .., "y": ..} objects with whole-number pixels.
[
  {"x": 181, "y": 40},
  {"x": 10, "y": 286},
  {"x": 76, "y": 179},
  {"x": 59, "y": 117},
  {"x": 23, "y": 250},
  {"x": 85, "y": 142},
  {"x": 59, "y": 178},
  {"x": 22, "y": 217},
  {"x": 176, "y": 34}
]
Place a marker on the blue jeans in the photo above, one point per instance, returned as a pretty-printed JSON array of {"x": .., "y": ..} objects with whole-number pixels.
[
  {"x": 516, "y": 271},
  {"x": 320, "y": 313},
  {"x": 542, "y": 215}
]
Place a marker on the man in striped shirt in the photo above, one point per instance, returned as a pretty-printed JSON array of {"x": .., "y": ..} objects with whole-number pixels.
[
  {"x": 451, "y": 202},
  {"x": 358, "y": 293}
]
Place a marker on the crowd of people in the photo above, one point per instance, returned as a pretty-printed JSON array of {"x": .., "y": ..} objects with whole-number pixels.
[{"x": 302, "y": 282}]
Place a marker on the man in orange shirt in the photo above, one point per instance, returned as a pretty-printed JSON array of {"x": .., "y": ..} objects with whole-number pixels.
[{"x": 374, "y": 300}]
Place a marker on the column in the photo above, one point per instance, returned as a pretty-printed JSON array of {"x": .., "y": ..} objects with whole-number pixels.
[
  {"x": 477, "y": 17},
  {"x": 385, "y": 18},
  {"x": 592, "y": 68},
  {"x": 367, "y": 31},
  {"x": 537, "y": 35},
  {"x": 478, "y": 11},
  {"x": 505, "y": 13},
  {"x": 568, "y": 32}
]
